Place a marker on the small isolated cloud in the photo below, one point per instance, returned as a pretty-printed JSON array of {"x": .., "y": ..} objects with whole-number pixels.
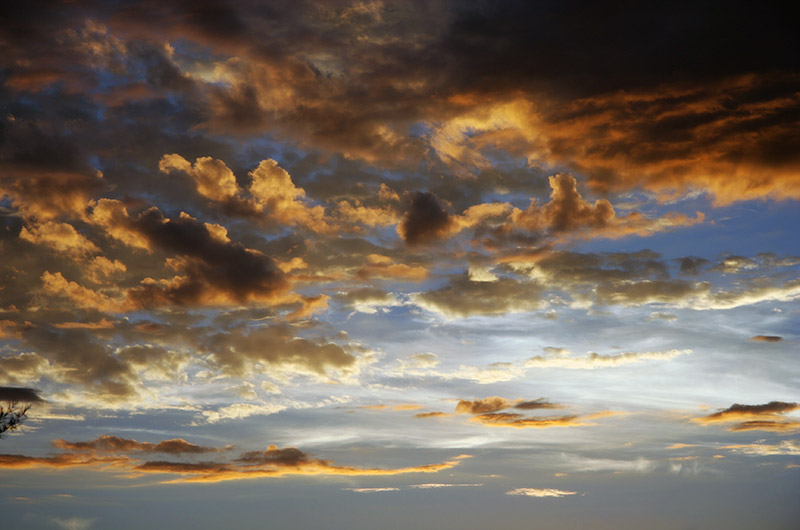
[
  {"x": 425, "y": 220},
  {"x": 371, "y": 490},
  {"x": 766, "y": 417},
  {"x": 435, "y": 485},
  {"x": 73, "y": 523},
  {"x": 767, "y": 338},
  {"x": 536, "y": 492},
  {"x": 435, "y": 414},
  {"x": 480, "y": 406}
]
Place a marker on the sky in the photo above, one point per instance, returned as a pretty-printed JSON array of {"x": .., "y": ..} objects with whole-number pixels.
[{"x": 374, "y": 264}]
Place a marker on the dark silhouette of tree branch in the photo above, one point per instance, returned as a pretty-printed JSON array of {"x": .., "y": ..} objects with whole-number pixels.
[
  {"x": 11, "y": 416},
  {"x": 18, "y": 402}
]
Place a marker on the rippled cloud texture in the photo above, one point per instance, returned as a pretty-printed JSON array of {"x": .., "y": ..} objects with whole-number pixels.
[{"x": 372, "y": 264}]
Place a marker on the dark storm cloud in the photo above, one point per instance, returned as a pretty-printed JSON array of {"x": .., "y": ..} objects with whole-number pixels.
[
  {"x": 27, "y": 395},
  {"x": 589, "y": 47}
]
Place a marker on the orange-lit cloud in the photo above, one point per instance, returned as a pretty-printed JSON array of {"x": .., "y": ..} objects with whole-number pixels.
[
  {"x": 766, "y": 417},
  {"x": 272, "y": 462}
]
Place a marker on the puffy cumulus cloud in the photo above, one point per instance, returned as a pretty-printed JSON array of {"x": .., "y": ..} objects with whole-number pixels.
[
  {"x": 273, "y": 189},
  {"x": 213, "y": 270},
  {"x": 113, "y": 444},
  {"x": 23, "y": 368},
  {"x": 56, "y": 285},
  {"x": 79, "y": 358},
  {"x": 462, "y": 297},
  {"x": 155, "y": 362},
  {"x": 61, "y": 237},
  {"x": 425, "y": 220},
  {"x": 102, "y": 270},
  {"x": 568, "y": 213},
  {"x": 239, "y": 352},
  {"x": 358, "y": 213},
  {"x": 766, "y": 417},
  {"x": 541, "y": 492},
  {"x": 271, "y": 192},
  {"x": 43, "y": 169},
  {"x": 596, "y": 360},
  {"x": 367, "y": 299},
  {"x": 213, "y": 178},
  {"x": 383, "y": 267}
]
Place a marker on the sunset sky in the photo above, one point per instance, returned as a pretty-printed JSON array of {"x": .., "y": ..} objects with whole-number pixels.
[{"x": 418, "y": 264}]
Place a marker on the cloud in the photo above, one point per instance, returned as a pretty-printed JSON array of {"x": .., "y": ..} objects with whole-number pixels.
[
  {"x": 639, "y": 465},
  {"x": 766, "y": 417},
  {"x": 272, "y": 462},
  {"x": 462, "y": 297},
  {"x": 738, "y": 412},
  {"x": 367, "y": 299},
  {"x": 26, "y": 395},
  {"x": 568, "y": 212},
  {"x": 61, "y": 237},
  {"x": 242, "y": 410},
  {"x": 275, "y": 462},
  {"x": 487, "y": 412},
  {"x": 480, "y": 406},
  {"x": 239, "y": 351},
  {"x": 212, "y": 270},
  {"x": 786, "y": 447},
  {"x": 271, "y": 193},
  {"x": 384, "y": 267},
  {"x": 595, "y": 360},
  {"x": 434, "y": 414},
  {"x": 371, "y": 490},
  {"x": 520, "y": 421},
  {"x": 73, "y": 523},
  {"x": 767, "y": 338},
  {"x": 541, "y": 493},
  {"x": 113, "y": 444},
  {"x": 437, "y": 486},
  {"x": 425, "y": 220}
]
